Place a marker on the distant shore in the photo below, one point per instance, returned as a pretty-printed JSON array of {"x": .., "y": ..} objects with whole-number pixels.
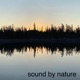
[{"x": 41, "y": 41}]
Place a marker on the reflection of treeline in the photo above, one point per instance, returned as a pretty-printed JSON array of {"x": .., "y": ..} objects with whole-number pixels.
[
  {"x": 62, "y": 50},
  {"x": 52, "y": 32}
]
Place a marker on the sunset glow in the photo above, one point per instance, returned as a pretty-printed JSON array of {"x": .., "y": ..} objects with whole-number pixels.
[{"x": 42, "y": 12}]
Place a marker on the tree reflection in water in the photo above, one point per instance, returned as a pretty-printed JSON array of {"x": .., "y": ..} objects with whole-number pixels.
[{"x": 63, "y": 50}]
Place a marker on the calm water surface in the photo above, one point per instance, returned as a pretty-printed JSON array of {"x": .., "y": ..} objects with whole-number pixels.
[{"x": 15, "y": 64}]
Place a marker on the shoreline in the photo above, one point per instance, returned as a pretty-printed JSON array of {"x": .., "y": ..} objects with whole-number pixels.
[{"x": 41, "y": 41}]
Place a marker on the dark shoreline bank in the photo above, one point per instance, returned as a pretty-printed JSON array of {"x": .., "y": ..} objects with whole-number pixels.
[{"x": 41, "y": 41}]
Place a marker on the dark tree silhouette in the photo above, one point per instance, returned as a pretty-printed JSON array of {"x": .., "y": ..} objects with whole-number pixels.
[{"x": 8, "y": 32}]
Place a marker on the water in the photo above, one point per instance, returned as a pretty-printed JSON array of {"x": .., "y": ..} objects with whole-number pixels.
[{"x": 17, "y": 62}]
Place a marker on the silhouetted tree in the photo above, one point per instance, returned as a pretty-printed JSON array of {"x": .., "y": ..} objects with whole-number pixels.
[{"x": 50, "y": 32}]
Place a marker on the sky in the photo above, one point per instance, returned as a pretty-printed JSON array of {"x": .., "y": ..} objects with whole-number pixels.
[{"x": 42, "y": 12}]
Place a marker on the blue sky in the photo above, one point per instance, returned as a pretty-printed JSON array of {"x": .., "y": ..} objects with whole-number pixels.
[{"x": 42, "y": 12}]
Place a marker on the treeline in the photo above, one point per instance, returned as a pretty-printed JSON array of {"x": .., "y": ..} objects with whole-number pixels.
[{"x": 50, "y": 32}]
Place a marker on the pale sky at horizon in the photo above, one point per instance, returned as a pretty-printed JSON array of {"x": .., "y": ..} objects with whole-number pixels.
[{"x": 42, "y": 12}]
